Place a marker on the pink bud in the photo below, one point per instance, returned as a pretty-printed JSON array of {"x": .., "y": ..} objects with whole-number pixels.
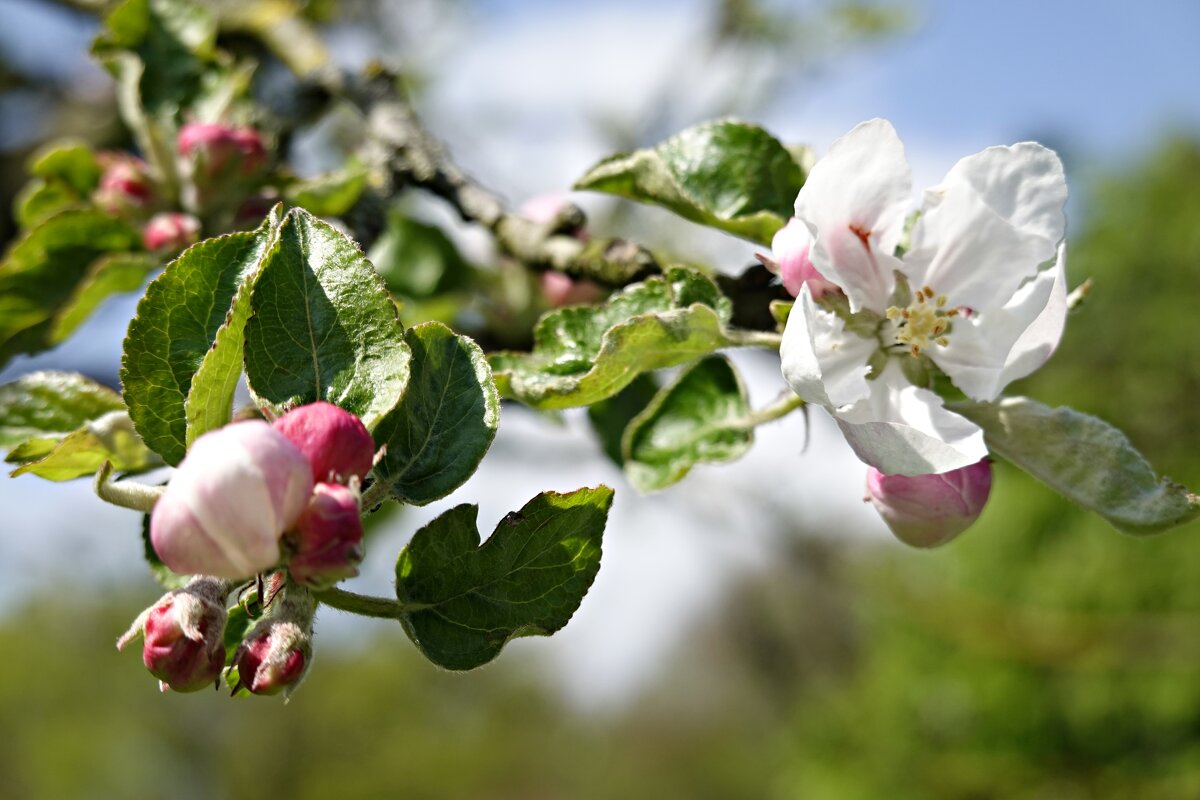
[
  {"x": 328, "y": 538},
  {"x": 219, "y": 148},
  {"x": 125, "y": 184},
  {"x": 790, "y": 249},
  {"x": 170, "y": 231},
  {"x": 561, "y": 289},
  {"x": 930, "y": 510},
  {"x": 184, "y": 636},
  {"x": 334, "y": 441},
  {"x": 273, "y": 657},
  {"x": 223, "y": 513}
]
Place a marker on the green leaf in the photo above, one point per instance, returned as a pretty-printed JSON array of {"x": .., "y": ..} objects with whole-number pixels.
[
  {"x": 726, "y": 174},
  {"x": 323, "y": 327},
  {"x": 780, "y": 311},
  {"x": 43, "y": 270},
  {"x": 39, "y": 200},
  {"x": 468, "y": 600},
  {"x": 700, "y": 418},
  {"x": 70, "y": 162},
  {"x": 108, "y": 275},
  {"x": 1085, "y": 459},
  {"x": 176, "y": 327},
  {"x": 418, "y": 260},
  {"x": 111, "y": 437},
  {"x": 330, "y": 195},
  {"x": 439, "y": 431},
  {"x": 51, "y": 404},
  {"x": 609, "y": 418},
  {"x": 584, "y": 354}
]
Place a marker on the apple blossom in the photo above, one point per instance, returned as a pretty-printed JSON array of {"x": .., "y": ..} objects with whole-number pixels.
[
  {"x": 334, "y": 441},
  {"x": 930, "y": 510},
  {"x": 790, "y": 260},
  {"x": 170, "y": 231},
  {"x": 224, "y": 511},
  {"x": 184, "y": 635},
  {"x": 125, "y": 185},
  {"x": 327, "y": 542},
  {"x": 277, "y": 651},
  {"x": 219, "y": 148},
  {"x": 979, "y": 294}
]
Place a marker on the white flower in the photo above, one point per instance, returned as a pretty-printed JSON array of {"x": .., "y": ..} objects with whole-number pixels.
[{"x": 980, "y": 293}]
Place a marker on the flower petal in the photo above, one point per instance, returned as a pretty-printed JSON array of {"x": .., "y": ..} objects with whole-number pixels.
[
  {"x": 821, "y": 361},
  {"x": 903, "y": 430},
  {"x": 994, "y": 219},
  {"x": 990, "y": 350},
  {"x": 854, "y": 201}
]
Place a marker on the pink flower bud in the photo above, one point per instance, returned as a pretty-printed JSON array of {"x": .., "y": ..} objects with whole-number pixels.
[
  {"x": 334, "y": 441},
  {"x": 184, "y": 644},
  {"x": 223, "y": 513},
  {"x": 170, "y": 231},
  {"x": 930, "y": 510},
  {"x": 561, "y": 289},
  {"x": 125, "y": 185},
  {"x": 328, "y": 538},
  {"x": 273, "y": 657},
  {"x": 790, "y": 249},
  {"x": 220, "y": 149}
]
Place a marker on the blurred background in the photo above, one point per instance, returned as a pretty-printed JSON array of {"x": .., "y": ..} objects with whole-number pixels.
[{"x": 754, "y": 631}]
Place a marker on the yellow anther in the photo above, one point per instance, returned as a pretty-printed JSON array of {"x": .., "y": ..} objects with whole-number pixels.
[
  {"x": 941, "y": 301},
  {"x": 922, "y": 324}
]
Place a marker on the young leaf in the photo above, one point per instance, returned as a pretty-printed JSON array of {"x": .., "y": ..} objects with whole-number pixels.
[
  {"x": 323, "y": 327},
  {"x": 1085, "y": 459},
  {"x": 329, "y": 195},
  {"x": 40, "y": 199},
  {"x": 51, "y": 405},
  {"x": 176, "y": 326},
  {"x": 108, "y": 275},
  {"x": 700, "y": 418},
  {"x": 43, "y": 269},
  {"x": 418, "y": 260},
  {"x": 439, "y": 431},
  {"x": 111, "y": 438},
  {"x": 584, "y": 354},
  {"x": 70, "y": 162},
  {"x": 609, "y": 418},
  {"x": 726, "y": 174},
  {"x": 527, "y": 579}
]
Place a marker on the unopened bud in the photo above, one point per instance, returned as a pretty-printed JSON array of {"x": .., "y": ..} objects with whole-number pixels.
[
  {"x": 218, "y": 149},
  {"x": 328, "y": 538},
  {"x": 184, "y": 635},
  {"x": 930, "y": 510},
  {"x": 276, "y": 653},
  {"x": 227, "y": 506},
  {"x": 561, "y": 289},
  {"x": 125, "y": 185},
  {"x": 170, "y": 232},
  {"x": 335, "y": 441},
  {"x": 790, "y": 250}
]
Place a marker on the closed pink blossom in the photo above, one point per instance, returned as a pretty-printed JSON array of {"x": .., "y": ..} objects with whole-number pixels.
[
  {"x": 335, "y": 441},
  {"x": 273, "y": 657},
  {"x": 219, "y": 148},
  {"x": 327, "y": 542},
  {"x": 930, "y": 510},
  {"x": 227, "y": 506},
  {"x": 183, "y": 634},
  {"x": 170, "y": 232}
]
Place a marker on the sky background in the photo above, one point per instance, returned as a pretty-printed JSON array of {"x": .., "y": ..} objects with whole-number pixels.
[{"x": 526, "y": 94}]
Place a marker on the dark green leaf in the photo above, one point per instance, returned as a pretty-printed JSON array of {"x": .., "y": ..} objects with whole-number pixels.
[
  {"x": 323, "y": 327},
  {"x": 725, "y": 174},
  {"x": 585, "y": 354},
  {"x": 527, "y": 579},
  {"x": 108, "y": 438},
  {"x": 701, "y": 417},
  {"x": 1085, "y": 459},
  {"x": 44, "y": 269},
  {"x": 418, "y": 260},
  {"x": 446, "y": 420},
  {"x": 51, "y": 405},
  {"x": 176, "y": 326},
  {"x": 610, "y": 417}
]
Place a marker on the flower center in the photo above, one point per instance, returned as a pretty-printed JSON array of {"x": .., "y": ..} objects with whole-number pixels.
[{"x": 923, "y": 322}]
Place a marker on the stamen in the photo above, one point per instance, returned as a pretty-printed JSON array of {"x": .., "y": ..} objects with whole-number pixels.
[{"x": 922, "y": 324}]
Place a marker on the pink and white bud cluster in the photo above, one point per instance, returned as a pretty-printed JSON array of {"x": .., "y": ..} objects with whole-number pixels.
[
  {"x": 930, "y": 510},
  {"x": 218, "y": 149},
  {"x": 184, "y": 635},
  {"x": 125, "y": 185},
  {"x": 790, "y": 260},
  {"x": 170, "y": 232},
  {"x": 250, "y": 493}
]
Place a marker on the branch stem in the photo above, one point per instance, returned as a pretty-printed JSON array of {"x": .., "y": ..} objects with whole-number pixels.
[
  {"x": 366, "y": 605},
  {"x": 748, "y": 338}
]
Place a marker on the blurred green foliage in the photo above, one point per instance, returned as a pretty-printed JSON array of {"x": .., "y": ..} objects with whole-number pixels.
[{"x": 1042, "y": 655}]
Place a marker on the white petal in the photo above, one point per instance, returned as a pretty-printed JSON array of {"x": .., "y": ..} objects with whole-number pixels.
[
  {"x": 823, "y": 363},
  {"x": 991, "y": 350},
  {"x": 996, "y": 217},
  {"x": 903, "y": 430},
  {"x": 854, "y": 201}
]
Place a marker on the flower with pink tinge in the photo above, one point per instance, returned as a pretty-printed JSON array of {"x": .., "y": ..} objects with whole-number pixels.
[
  {"x": 327, "y": 542},
  {"x": 184, "y": 636},
  {"x": 125, "y": 184},
  {"x": 219, "y": 148},
  {"x": 170, "y": 232},
  {"x": 930, "y": 510},
  {"x": 227, "y": 506},
  {"x": 790, "y": 250},
  {"x": 335, "y": 441},
  {"x": 273, "y": 657}
]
